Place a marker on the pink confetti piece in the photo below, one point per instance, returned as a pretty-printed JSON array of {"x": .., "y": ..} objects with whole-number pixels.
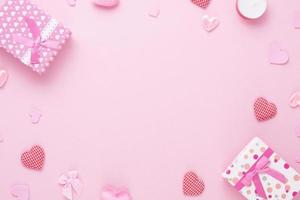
[
  {"x": 71, "y": 3},
  {"x": 3, "y": 78},
  {"x": 277, "y": 56},
  {"x": 295, "y": 100},
  {"x": 35, "y": 116},
  {"x": 154, "y": 12}
]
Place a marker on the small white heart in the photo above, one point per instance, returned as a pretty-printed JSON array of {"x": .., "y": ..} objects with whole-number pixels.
[
  {"x": 9, "y": 2},
  {"x": 28, "y": 7},
  {"x": 4, "y": 25},
  {"x": 1, "y": 14},
  {"x": 3, "y": 41},
  {"x": 13, "y": 13},
  {"x": 24, "y": 13},
  {"x": 8, "y": 19},
  {"x": 17, "y": 8}
]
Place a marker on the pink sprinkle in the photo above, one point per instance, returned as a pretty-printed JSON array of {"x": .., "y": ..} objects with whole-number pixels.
[{"x": 286, "y": 166}]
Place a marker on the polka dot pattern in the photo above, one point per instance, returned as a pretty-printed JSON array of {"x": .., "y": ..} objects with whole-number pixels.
[
  {"x": 12, "y": 14},
  {"x": 264, "y": 110},
  {"x": 275, "y": 190},
  {"x": 201, "y": 3},
  {"x": 192, "y": 184},
  {"x": 34, "y": 159}
]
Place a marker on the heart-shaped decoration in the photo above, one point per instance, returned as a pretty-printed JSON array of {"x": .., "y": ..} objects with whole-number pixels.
[
  {"x": 3, "y": 78},
  {"x": 20, "y": 191},
  {"x": 277, "y": 56},
  {"x": 209, "y": 23},
  {"x": 264, "y": 110},
  {"x": 192, "y": 184},
  {"x": 295, "y": 100},
  {"x": 113, "y": 193},
  {"x": 34, "y": 158},
  {"x": 106, "y": 3},
  {"x": 201, "y": 3}
]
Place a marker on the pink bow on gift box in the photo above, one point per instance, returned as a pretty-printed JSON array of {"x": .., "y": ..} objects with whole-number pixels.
[
  {"x": 261, "y": 167},
  {"x": 70, "y": 182},
  {"x": 36, "y": 42}
]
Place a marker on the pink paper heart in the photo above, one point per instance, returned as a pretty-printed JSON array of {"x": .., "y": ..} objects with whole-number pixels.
[
  {"x": 154, "y": 12},
  {"x": 3, "y": 77},
  {"x": 106, "y": 3},
  {"x": 20, "y": 191},
  {"x": 295, "y": 100},
  {"x": 277, "y": 56},
  {"x": 112, "y": 193},
  {"x": 297, "y": 19},
  {"x": 209, "y": 23}
]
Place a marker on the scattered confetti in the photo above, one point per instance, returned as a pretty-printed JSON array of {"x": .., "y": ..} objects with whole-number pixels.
[
  {"x": 20, "y": 191},
  {"x": 295, "y": 100},
  {"x": 34, "y": 158},
  {"x": 70, "y": 183},
  {"x": 201, "y": 3},
  {"x": 154, "y": 12},
  {"x": 192, "y": 184},
  {"x": 209, "y": 23},
  {"x": 277, "y": 56},
  {"x": 35, "y": 115},
  {"x": 264, "y": 110},
  {"x": 72, "y": 3},
  {"x": 3, "y": 78},
  {"x": 113, "y": 193},
  {"x": 106, "y": 3}
]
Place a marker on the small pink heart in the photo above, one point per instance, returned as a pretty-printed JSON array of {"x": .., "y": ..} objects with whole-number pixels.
[
  {"x": 277, "y": 56},
  {"x": 71, "y": 3},
  {"x": 295, "y": 100},
  {"x": 3, "y": 78},
  {"x": 209, "y": 23},
  {"x": 112, "y": 193},
  {"x": 20, "y": 191},
  {"x": 106, "y": 3},
  {"x": 35, "y": 116},
  {"x": 297, "y": 19}
]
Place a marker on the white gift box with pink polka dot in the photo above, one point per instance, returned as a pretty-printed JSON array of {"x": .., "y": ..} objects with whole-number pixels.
[
  {"x": 12, "y": 23},
  {"x": 259, "y": 173}
]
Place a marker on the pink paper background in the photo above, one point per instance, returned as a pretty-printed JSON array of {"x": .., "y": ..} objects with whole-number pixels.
[{"x": 136, "y": 101}]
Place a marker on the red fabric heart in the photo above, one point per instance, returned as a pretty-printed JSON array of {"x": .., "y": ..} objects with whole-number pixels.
[
  {"x": 201, "y": 3},
  {"x": 34, "y": 158},
  {"x": 192, "y": 184},
  {"x": 264, "y": 110}
]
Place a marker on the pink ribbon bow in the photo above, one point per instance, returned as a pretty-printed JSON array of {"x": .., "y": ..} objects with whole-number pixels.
[
  {"x": 36, "y": 42},
  {"x": 262, "y": 166},
  {"x": 70, "y": 182}
]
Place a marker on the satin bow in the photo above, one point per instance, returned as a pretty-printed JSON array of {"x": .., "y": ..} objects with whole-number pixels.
[
  {"x": 262, "y": 166},
  {"x": 36, "y": 42},
  {"x": 70, "y": 182}
]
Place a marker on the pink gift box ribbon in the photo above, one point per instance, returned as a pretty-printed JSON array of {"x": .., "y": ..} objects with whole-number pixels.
[
  {"x": 261, "y": 166},
  {"x": 36, "y": 42}
]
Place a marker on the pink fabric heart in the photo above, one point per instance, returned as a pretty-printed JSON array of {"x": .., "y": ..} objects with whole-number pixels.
[
  {"x": 20, "y": 191},
  {"x": 3, "y": 78},
  {"x": 106, "y": 3},
  {"x": 277, "y": 56},
  {"x": 209, "y": 23},
  {"x": 113, "y": 193},
  {"x": 295, "y": 100}
]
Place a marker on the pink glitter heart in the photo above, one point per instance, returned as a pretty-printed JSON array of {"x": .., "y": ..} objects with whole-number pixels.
[
  {"x": 20, "y": 191},
  {"x": 277, "y": 56}
]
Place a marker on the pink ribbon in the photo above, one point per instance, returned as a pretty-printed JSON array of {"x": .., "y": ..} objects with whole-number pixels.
[
  {"x": 36, "y": 42},
  {"x": 70, "y": 182},
  {"x": 261, "y": 167}
]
